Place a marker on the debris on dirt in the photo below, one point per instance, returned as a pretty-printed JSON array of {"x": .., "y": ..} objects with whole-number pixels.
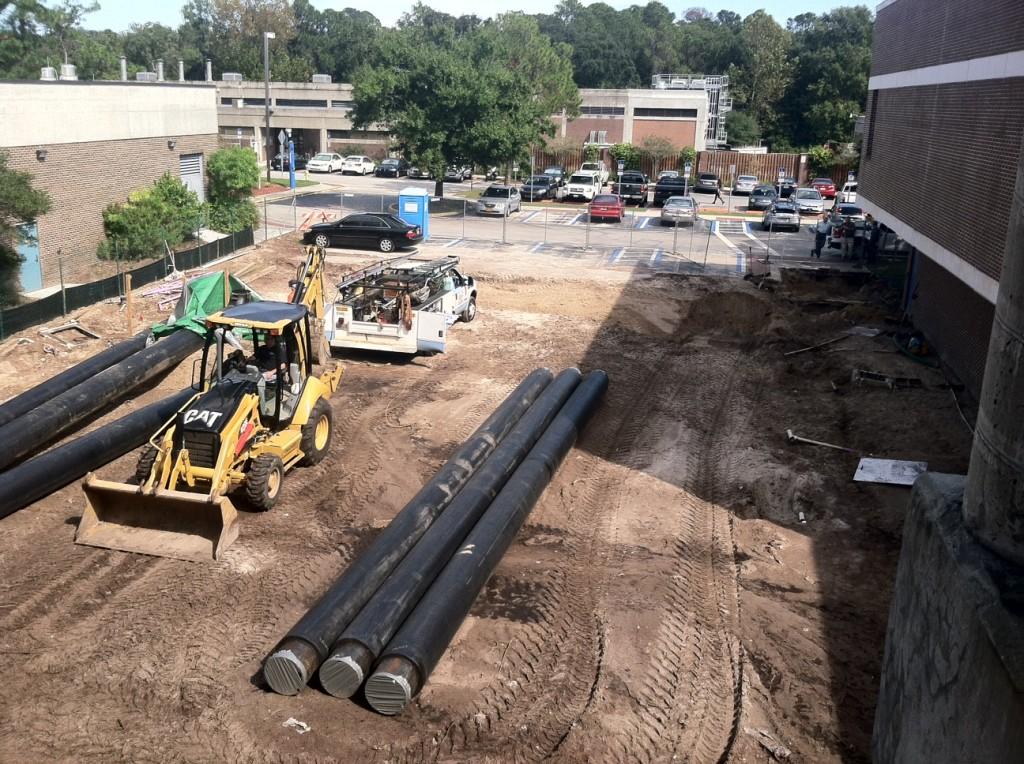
[
  {"x": 889, "y": 471},
  {"x": 815, "y": 347},
  {"x": 791, "y": 437},
  {"x": 301, "y": 727},
  {"x": 888, "y": 380},
  {"x": 769, "y": 743},
  {"x": 52, "y": 332}
]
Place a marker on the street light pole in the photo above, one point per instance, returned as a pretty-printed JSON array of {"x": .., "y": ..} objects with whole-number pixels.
[{"x": 268, "y": 139}]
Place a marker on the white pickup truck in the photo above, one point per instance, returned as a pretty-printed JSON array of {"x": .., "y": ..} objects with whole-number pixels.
[
  {"x": 583, "y": 184},
  {"x": 401, "y": 305},
  {"x": 599, "y": 167}
]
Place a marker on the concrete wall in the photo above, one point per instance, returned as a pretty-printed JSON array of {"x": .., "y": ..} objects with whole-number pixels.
[
  {"x": 44, "y": 113},
  {"x": 952, "y": 685}
]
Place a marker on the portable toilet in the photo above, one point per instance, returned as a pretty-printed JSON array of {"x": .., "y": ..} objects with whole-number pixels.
[{"x": 414, "y": 208}]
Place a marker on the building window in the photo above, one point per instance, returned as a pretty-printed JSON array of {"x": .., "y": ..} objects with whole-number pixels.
[
  {"x": 870, "y": 138},
  {"x": 227, "y": 101},
  {"x": 603, "y": 111},
  {"x": 672, "y": 113},
  {"x": 301, "y": 103},
  {"x": 253, "y": 102},
  {"x": 343, "y": 104},
  {"x": 600, "y": 137}
]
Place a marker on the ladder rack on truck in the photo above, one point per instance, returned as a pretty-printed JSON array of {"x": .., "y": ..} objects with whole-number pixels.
[{"x": 401, "y": 305}]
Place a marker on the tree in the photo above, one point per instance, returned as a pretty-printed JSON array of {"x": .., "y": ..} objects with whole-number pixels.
[
  {"x": 626, "y": 153},
  {"x": 233, "y": 172},
  {"x": 19, "y": 203},
  {"x": 480, "y": 96},
  {"x": 821, "y": 160},
  {"x": 658, "y": 149},
  {"x": 742, "y": 128},
  {"x": 230, "y": 34},
  {"x": 764, "y": 72},
  {"x": 151, "y": 219},
  {"x": 333, "y": 42}
]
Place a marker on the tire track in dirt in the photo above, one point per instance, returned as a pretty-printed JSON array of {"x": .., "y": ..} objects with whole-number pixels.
[
  {"x": 543, "y": 689},
  {"x": 687, "y": 696}
]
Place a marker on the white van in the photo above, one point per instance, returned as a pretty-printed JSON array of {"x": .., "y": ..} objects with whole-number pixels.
[
  {"x": 849, "y": 193},
  {"x": 584, "y": 184}
]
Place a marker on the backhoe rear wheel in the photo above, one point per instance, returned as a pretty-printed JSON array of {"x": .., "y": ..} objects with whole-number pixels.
[
  {"x": 145, "y": 465},
  {"x": 316, "y": 434},
  {"x": 263, "y": 483}
]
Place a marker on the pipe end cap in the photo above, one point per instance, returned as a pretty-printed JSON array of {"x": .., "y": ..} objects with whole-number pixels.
[
  {"x": 388, "y": 693},
  {"x": 285, "y": 673},
  {"x": 341, "y": 676}
]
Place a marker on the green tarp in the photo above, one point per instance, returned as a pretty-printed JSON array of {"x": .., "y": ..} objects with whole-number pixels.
[{"x": 202, "y": 296}]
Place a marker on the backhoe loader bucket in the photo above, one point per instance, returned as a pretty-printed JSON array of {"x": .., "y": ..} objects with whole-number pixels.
[{"x": 185, "y": 526}]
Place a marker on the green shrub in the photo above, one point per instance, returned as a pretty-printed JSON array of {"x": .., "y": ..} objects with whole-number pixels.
[
  {"x": 233, "y": 172},
  {"x": 233, "y": 215},
  {"x": 136, "y": 229}
]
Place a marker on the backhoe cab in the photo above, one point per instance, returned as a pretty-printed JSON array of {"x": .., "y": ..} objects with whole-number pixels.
[{"x": 259, "y": 411}]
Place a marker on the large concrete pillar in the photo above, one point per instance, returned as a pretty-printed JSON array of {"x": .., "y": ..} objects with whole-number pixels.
[
  {"x": 994, "y": 499},
  {"x": 209, "y": 70},
  {"x": 323, "y": 139},
  {"x": 124, "y": 69}
]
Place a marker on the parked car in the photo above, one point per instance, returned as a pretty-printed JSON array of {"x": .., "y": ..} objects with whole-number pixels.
[
  {"x": 378, "y": 230},
  {"x": 607, "y": 206},
  {"x": 493, "y": 173},
  {"x": 707, "y": 182},
  {"x": 557, "y": 173},
  {"x": 539, "y": 187},
  {"x": 825, "y": 187},
  {"x": 325, "y": 162},
  {"x": 357, "y": 164},
  {"x": 782, "y": 214},
  {"x": 668, "y": 174},
  {"x": 744, "y": 184},
  {"x": 583, "y": 185},
  {"x": 499, "y": 200},
  {"x": 280, "y": 162},
  {"x": 809, "y": 201},
  {"x": 392, "y": 168},
  {"x": 669, "y": 187},
  {"x": 632, "y": 187},
  {"x": 599, "y": 167},
  {"x": 762, "y": 197},
  {"x": 679, "y": 209},
  {"x": 456, "y": 174},
  {"x": 786, "y": 187},
  {"x": 419, "y": 172},
  {"x": 849, "y": 193}
]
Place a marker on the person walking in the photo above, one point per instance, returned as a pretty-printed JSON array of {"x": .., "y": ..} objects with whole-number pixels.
[
  {"x": 821, "y": 229},
  {"x": 718, "y": 195},
  {"x": 848, "y": 230}
]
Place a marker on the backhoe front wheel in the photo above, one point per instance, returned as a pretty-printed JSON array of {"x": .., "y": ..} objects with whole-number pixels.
[
  {"x": 263, "y": 483},
  {"x": 145, "y": 466},
  {"x": 316, "y": 434}
]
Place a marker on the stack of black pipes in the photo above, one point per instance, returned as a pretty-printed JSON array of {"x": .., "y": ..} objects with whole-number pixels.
[{"x": 403, "y": 619}]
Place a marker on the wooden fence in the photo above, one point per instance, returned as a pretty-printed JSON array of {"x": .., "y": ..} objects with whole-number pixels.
[{"x": 764, "y": 166}]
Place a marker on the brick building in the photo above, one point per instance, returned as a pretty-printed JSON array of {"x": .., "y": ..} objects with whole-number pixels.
[
  {"x": 944, "y": 122},
  {"x": 89, "y": 144},
  {"x": 610, "y": 116}
]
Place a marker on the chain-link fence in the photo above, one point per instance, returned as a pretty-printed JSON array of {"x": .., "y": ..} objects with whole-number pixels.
[{"x": 67, "y": 299}]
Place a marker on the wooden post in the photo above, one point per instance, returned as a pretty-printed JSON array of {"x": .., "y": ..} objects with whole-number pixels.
[
  {"x": 227, "y": 288},
  {"x": 128, "y": 302}
]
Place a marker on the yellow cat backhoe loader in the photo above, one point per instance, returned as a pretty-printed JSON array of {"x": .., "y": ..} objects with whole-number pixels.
[
  {"x": 259, "y": 411},
  {"x": 307, "y": 288}
]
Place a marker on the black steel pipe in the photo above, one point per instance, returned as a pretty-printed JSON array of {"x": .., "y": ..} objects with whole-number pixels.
[
  {"x": 54, "y": 386},
  {"x": 361, "y": 642},
  {"x": 297, "y": 657},
  {"x": 46, "y": 473},
  {"x": 58, "y": 415},
  {"x": 414, "y": 651}
]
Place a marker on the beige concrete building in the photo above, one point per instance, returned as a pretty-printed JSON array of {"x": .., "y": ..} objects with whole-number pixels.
[
  {"x": 610, "y": 116},
  {"x": 317, "y": 113},
  {"x": 89, "y": 144}
]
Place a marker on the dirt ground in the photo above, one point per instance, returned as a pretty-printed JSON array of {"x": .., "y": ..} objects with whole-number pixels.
[{"x": 664, "y": 601}]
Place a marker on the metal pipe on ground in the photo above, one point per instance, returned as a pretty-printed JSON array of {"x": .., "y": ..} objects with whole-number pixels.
[
  {"x": 46, "y": 473},
  {"x": 58, "y": 415},
  {"x": 416, "y": 648},
  {"x": 297, "y": 657},
  {"x": 35, "y": 396},
  {"x": 359, "y": 645}
]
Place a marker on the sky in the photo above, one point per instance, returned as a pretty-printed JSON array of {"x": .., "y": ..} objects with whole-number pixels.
[{"x": 119, "y": 15}]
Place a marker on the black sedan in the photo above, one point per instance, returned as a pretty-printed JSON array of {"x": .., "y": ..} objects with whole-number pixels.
[
  {"x": 539, "y": 187},
  {"x": 419, "y": 172},
  {"x": 392, "y": 168},
  {"x": 373, "y": 229},
  {"x": 280, "y": 162}
]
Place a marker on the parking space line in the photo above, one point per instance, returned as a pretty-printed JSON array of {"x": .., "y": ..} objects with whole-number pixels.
[
  {"x": 529, "y": 217},
  {"x": 452, "y": 243},
  {"x": 656, "y": 256},
  {"x": 537, "y": 247},
  {"x": 576, "y": 219},
  {"x": 644, "y": 222},
  {"x": 616, "y": 254}
]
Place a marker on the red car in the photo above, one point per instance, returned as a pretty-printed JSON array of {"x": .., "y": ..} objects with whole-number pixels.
[
  {"x": 825, "y": 187},
  {"x": 607, "y": 206}
]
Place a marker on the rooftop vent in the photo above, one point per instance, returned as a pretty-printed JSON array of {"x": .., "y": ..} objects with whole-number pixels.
[
  {"x": 145, "y": 76},
  {"x": 68, "y": 72},
  {"x": 231, "y": 77},
  {"x": 322, "y": 79},
  {"x": 48, "y": 73}
]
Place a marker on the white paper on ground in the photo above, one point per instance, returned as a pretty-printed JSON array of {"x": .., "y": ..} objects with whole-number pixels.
[{"x": 891, "y": 471}]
